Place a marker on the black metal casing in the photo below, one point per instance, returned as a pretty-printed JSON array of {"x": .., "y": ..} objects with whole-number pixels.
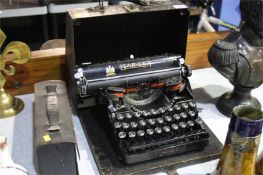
[
  {"x": 97, "y": 38},
  {"x": 135, "y": 30}
]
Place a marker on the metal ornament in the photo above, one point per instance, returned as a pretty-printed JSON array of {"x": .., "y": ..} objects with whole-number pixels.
[
  {"x": 239, "y": 58},
  {"x": 19, "y": 53}
]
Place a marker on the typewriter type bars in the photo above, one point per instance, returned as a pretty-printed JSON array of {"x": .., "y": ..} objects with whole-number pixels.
[{"x": 152, "y": 117}]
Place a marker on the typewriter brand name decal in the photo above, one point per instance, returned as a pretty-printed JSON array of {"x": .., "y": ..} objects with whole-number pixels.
[
  {"x": 128, "y": 66},
  {"x": 110, "y": 71}
]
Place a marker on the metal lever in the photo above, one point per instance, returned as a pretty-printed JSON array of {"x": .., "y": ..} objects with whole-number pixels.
[{"x": 52, "y": 108}]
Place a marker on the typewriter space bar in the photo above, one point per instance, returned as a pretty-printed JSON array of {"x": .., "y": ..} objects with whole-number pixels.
[{"x": 201, "y": 135}]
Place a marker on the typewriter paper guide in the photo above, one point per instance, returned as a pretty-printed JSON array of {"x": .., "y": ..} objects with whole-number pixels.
[{"x": 117, "y": 32}]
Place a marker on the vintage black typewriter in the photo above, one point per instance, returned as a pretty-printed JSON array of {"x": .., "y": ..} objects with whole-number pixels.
[{"x": 128, "y": 82}]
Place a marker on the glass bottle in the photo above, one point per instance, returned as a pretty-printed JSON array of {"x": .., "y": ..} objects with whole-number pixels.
[
  {"x": 7, "y": 166},
  {"x": 240, "y": 150},
  {"x": 259, "y": 165}
]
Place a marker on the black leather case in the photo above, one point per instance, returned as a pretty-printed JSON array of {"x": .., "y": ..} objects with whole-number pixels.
[{"x": 54, "y": 139}]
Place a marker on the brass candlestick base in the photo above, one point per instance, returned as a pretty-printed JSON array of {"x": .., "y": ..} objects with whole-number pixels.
[
  {"x": 9, "y": 105},
  {"x": 19, "y": 53}
]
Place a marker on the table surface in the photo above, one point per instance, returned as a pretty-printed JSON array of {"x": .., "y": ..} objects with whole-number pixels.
[{"x": 207, "y": 86}]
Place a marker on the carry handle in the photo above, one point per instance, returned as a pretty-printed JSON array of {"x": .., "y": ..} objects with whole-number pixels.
[{"x": 52, "y": 108}]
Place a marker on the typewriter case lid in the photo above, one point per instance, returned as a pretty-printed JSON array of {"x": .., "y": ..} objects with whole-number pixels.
[{"x": 116, "y": 32}]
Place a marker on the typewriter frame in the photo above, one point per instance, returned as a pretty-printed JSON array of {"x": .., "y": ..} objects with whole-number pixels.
[{"x": 77, "y": 56}]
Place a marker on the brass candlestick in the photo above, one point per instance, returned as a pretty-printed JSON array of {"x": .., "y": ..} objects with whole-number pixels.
[{"x": 19, "y": 53}]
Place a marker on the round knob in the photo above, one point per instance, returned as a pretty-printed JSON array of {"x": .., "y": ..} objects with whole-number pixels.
[
  {"x": 120, "y": 117},
  {"x": 159, "y": 120},
  {"x": 151, "y": 121},
  {"x": 122, "y": 134},
  {"x": 150, "y": 131},
  {"x": 141, "y": 133},
  {"x": 183, "y": 115},
  {"x": 175, "y": 127},
  {"x": 128, "y": 115},
  {"x": 142, "y": 122},
  {"x": 158, "y": 130},
  {"x": 117, "y": 125},
  {"x": 176, "y": 116},
  {"x": 132, "y": 134},
  {"x": 166, "y": 128},
  {"x": 125, "y": 125},
  {"x": 134, "y": 124}
]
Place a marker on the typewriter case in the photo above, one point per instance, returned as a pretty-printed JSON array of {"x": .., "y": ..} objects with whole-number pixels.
[{"x": 113, "y": 35}]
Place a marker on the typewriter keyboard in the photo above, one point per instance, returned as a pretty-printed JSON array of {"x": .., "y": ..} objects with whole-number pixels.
[{"x": 174, "y": 128}]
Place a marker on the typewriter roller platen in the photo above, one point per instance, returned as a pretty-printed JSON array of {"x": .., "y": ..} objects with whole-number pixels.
[{"x": 128, "y": 81}]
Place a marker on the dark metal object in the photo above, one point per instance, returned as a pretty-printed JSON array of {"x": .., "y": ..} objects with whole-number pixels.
[
  {"x": 108, "y": 161},
  {"x": 131, "y": 61},
  {"x": 143, "y": 34},
  {"x": 54, "y": 136},
  {"x": 239, "y": 58},
  {"x": 163, "y": 68}
]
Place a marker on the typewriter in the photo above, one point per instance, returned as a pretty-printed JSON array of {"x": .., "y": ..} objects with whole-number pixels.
[{"x": 130, "y": 59}]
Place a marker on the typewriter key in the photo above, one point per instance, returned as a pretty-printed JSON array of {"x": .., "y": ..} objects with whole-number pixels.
[
  {"x": 182, "y": 125},
  {"x": 166, "y": 129},
  {"x": 134, "y": 124},
  {"x": 141, "y": 133},
  {"x": 191, "y": 113},
  {"x": 185, "y": 105},
  {"x": 142, "y": 122},
  {"x": 125, "y": 125},
  {"x": 137, "y": 114},
  {"x": 159, "y": 120},
  {"x": 128, "y": 115},
  {"x": 170, "y": 108},
  {"x": 192, "y": 104},
  {"x": 150, "y": 131},
  {"x": 177, "y": 107},
  {"x": 158, "y": 130},
  {"x": 168, "y": 118},
  {"x": 151, "y": 121},
  {"x": 117, "y": 125},
  {"x": 122, "y": 134},
  {"x": 132, "y": 134},
  {"x": 175, "y": 127},
  {"x": 120, "y": 117},
  {"x": 176, "y": 116},
  {"x": 190, "y": 123},
  {"x": 183, "y": 115},
  {"x": 161, "y": 110},
  {"x": 199, "y": 121},
  {"x": 145, "y": 113},
  {"x": 154, "y": 111}
]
